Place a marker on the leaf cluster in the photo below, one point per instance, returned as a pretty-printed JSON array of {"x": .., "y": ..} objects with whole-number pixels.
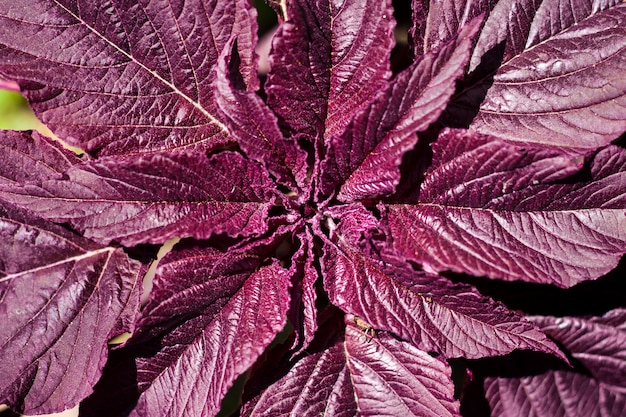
[{"x": 429, "y": 238}]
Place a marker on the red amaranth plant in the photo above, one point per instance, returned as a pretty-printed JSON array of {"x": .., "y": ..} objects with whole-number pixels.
[{"x": 403, "y": 231}]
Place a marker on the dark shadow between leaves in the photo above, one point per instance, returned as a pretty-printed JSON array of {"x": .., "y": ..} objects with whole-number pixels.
[
  {"x": 472, "y": 90},
  {"x": 473, "y": 400},
  {"x": 587, "y": 298},
  {"x": 621, "y": 141},
  {"x": 514, "y": 365},
  {"x": 413, "y": 168},
  {"x": 117, "y": 392},
  {"x": 401, "y": 55},
  {"x": 144, "y": 253},
  {"x": 9, "y": 413},
  {"x": 517, "y": 364}
]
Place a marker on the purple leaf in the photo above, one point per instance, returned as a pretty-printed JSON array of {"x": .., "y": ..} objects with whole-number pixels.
[
  {"x": 556, "y": 16},
  {"x": 596, "y": 390},
  {"x": 430, "y": 311},
  {"x": 522, "y": 24},
  {"x": 303, "y": 313},
  {"x": 446, "y": 18},
  {"x": 565, "y": 88},
  {"x": 155, "y": 197},
  {"x": 599, "y": 343},
  {"x": 62, "y": 298},
  {"x": 555, "y": 393},
  {"x": 361, "y": 375},
  {"x": 393, "y": 378},
  {"x": 490, "y": 208},
  {"x": 219, "y": 311},
  {"x": 330, "y": 59},
  {"x": 125, "y": 76},
  {"x": 30, "y": 157},
  {"x": 364, "y": 160},
  {"x": 255, "y": 127},
  {"x": 508, "y": 25}
]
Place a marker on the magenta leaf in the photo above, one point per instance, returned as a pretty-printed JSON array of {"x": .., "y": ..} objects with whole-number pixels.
[
  {"x": 331, "y": 58},
  {"x": 430, "y": 311},
  {"x": 490, "y": 208},
  {"x": 366, "y": 157},
  {"x": 155, "y": 197},
  {"x": 303, "y": 313},
  {"x": 595, "y": 387},
  {"x": 555, "y": 393},
  {"x": 129, "y": 77},
  {"x": 599, "y": 343},
  {"x": 256, "y": 129},
  {"x": 210, "y": 315},
  {"x": 444, "y": 19},
  {"x": 525, "y": 23},
  {"x": 553, "y": 102},
  {"x": 417, "y": 31},
  {"x": 29, "y": 157},
  {"x": 62, "y": 298},
  {"x": 361, "y": 375}
]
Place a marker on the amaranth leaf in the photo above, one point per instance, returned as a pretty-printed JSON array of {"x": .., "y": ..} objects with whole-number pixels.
[
  {"x": 210, "y": 316},
  {"x": 62, "y": 298},
  {"x": 360, "y": 374},
  {"x": 126, "y": 76},
  {"x": 331, "y": 58},
  {"x": 426, "y": 309},
  {"x": 155, "y": 197},
  {"x": 565, "y": 87},
  {"x": 490, "y": 208},
  {"x": 364, "y": 160},
  {"x": 596, "y": 389}
]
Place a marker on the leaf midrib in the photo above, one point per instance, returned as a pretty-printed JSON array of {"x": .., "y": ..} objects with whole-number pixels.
[{"x": 194, "y": 103}]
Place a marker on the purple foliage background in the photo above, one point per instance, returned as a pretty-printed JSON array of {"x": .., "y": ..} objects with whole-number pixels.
[{"x": 429, "y": 227}]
